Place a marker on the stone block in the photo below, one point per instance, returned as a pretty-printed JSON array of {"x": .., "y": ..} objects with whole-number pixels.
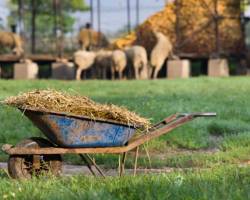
[
  {"x": 218, "y": 68},
  {"x": 25, "y": 70},
  {"x": 178, "y": 69},
  {"x": 63, "y": 71}
]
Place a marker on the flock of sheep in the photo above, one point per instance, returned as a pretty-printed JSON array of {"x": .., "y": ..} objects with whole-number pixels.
[{"x": 134, "y": 58}]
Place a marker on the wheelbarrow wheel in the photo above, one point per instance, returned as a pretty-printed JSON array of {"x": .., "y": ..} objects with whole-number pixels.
[{"x": 26, "y": 166}]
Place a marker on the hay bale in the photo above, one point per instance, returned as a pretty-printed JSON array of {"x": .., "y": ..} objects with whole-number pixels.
[
  {"x": 193, "y": 15},
  {"x": 125, "y": 41},
  {"x": 52, "y": 100}
]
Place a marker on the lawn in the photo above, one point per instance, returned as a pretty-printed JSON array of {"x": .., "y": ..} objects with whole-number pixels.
[
  {"x": 223, "y": 183},
  {"x": 204, "y": 143}
]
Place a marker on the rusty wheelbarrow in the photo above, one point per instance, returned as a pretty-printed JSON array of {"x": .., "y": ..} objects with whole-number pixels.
[{"x": 70, "y": 134}]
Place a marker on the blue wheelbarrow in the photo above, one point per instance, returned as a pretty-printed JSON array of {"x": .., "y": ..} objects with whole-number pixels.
[{"x": 72, "y": 134}]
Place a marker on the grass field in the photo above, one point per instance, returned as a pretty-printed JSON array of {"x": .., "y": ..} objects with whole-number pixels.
[
  {"x": 216, "y": 145},
  {"x": 223, "y": 183}
]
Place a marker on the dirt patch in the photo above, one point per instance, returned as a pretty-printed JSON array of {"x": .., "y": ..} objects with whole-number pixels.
[{"x": 69, "y": 170}]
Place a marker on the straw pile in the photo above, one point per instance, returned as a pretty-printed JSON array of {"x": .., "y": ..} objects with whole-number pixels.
[
  {"x": 125, "y": 41},
  {"x": 51, "y": 100},
  {"x": 195, "y": 27}
]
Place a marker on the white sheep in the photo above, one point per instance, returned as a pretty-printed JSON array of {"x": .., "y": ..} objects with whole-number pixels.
[
  {"x": 137, "y": 56},
  {"x": 161, "y": 51},
  {"x": 119, "y": 62},
  {"x": 84, "y": 60}
]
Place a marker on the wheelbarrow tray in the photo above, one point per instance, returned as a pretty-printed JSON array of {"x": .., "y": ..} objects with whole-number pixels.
[
  {"x": 40, "y": 119},
  {"x": 73, "y": 131}
]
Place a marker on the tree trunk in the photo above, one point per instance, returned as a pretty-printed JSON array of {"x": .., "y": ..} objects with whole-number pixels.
[
  {"x": 91, "y": 13},
  {"x": 99, "y": 21},
  {"x": 137, "y": 12},
  {"x": 216, "y": 29},
  {"x": 20, "y": 17},
  {"x": 61, "y": 29},
  {"x": 178, "y": 5},
  {"x": 55, "y": 6},
  {"x": 33, "y": 26},
  {"x": 129, "y": 16}
]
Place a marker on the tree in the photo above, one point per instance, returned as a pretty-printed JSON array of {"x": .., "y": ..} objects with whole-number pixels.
[
  {"x": 33, "y": 25},
  {"x": 45, "y": 18}
]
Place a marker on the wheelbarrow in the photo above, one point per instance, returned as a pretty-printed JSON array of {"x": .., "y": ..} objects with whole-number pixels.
[{"x": 72, "y": 134}]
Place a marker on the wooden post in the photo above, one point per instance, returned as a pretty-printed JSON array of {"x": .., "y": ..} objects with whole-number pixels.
[
  {"x": 137, "y": 12},
  {"x": 217, "y": 33},
  {"x": 20, "y": 17},
  {"x": 128, "y": 16},
  {"x": 99, "y": 20},
  {"x": 177, "y": 24},
  {"x": 21, "y": 24},
  {"x": 55, "y": 2},
  {"x": 243, "y": 21},
  {"x": 91, "y": 13},
  {"x": 33, "y": 26},
  {"x": 61, "y": 29},
  {"x": 58, "y": 26}
]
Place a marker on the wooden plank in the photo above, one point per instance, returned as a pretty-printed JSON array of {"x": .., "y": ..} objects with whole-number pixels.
[
  {"x": 8, "y": 58},
  {"x": 33, "y": 57}
]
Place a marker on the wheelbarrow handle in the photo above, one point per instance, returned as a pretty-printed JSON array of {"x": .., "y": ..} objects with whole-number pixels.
[
  {"x": 177, "y": 116},
  {"x": 200, "y": 114}
]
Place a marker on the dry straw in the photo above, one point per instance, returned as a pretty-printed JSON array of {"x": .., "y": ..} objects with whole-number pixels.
[{"x": 55, "y": 101}]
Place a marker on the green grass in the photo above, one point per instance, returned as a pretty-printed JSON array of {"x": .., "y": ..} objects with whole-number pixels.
[
  {"x": 206, "y": 143},
  {"x": 155, "y": 100},
  {"x": 223, "y": 183}
]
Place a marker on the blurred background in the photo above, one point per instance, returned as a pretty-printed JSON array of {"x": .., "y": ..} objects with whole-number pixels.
[{"x": 198, "y": 30}]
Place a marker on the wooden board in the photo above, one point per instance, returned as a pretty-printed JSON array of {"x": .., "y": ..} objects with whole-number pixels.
[{"x": 34, "y": 58}]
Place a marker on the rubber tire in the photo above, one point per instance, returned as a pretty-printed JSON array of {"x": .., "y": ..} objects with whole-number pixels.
[{"x": 16, "y": 162}]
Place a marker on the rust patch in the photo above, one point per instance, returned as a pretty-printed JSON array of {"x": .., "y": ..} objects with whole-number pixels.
[{"x": 90, "y": 138}]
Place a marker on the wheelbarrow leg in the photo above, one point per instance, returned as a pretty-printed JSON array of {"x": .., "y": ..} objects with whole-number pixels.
[
  {"x": 87, "y": 163},
  {"x": 136, "y": 157},
  {"x": 148, "y": 156},
  {"x": 122, "y": 163},
  {"x": 96, "y": 166},
  {"x": 36, "y": 162}
]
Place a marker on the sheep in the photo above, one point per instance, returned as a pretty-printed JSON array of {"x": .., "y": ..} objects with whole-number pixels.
[
  {"x": 119, "y": 62},
  {"x": 89, "y": 39},
  {"x": 13, "y": 41},
  {"x": 103, "y": 62},
  {"x": 84, "y": 60},
  {"x": 137, "y": 56},
  {"x": 159, "y": 54}
]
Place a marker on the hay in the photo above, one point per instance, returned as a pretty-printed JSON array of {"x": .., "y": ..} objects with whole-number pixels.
[
  {"x": 55, "y": 101},
  {"x": 195, "y": 28}
]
